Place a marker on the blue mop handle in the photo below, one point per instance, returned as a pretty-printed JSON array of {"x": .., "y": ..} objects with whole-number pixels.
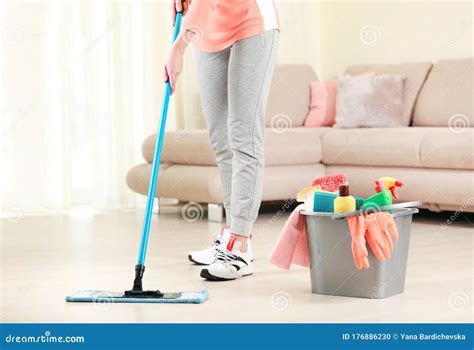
[{"x": 157, "y": 158}]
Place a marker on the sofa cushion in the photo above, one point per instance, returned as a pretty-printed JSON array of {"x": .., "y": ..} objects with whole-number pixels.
[
  {"x": 400, "y": 147},
  {"x": 442, "y": 148},
  {"x": 415, "y": 75},
  {"x": 373, "y": 146},
  {"x": 289, "y": 97},
  {"x": 282, "y": 147},
  {"x": 446, "y": 96},
  {"x": 202, "y": 183}
]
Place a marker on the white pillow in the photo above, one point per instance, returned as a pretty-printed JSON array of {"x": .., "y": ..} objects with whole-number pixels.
[{"x": 369, "y": 101}]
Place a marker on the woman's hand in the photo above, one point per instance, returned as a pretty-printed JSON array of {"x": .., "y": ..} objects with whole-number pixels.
[
  {"x": 174, "y": 63},
  {"x": 179, "y": 6},
  {"x": 173, "y": 66}
]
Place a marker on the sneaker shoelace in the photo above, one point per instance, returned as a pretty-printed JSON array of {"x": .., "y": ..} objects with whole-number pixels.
[
  {"x": 225, "y": 255},
  {"x": 217, "y": 243}
]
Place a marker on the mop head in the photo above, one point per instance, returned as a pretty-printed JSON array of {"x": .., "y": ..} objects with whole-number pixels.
[{"x": 100, "y": 296}]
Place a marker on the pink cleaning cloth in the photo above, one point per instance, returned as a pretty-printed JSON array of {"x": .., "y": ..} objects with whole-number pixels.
[{"x": 292, "y": 244}]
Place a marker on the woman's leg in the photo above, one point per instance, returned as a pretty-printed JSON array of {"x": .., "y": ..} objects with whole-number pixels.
[
  {"x": 250, "y": 69},
  {"x": 251, "y": 64},
  {"x": 212, "y": 69}
]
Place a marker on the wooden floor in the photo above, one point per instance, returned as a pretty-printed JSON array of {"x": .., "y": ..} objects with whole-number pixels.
[{"x": 45, "y": 258}]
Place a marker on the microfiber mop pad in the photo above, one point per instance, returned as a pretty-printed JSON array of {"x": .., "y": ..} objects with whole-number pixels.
[{"x": 101, "y": 296}]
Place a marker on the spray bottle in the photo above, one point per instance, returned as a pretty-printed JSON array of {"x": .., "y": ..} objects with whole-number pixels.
[
  {"x": 385, "y": 188},
  {"x": 391, "y": 184}
]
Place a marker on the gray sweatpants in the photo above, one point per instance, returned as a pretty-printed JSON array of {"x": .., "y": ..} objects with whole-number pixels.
[{"x": 234, "y": 84}]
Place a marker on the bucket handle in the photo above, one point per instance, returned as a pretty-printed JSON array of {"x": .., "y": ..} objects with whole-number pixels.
[
  {"x": 383, "y": 208},
  {"x": 409, "y": 211}
]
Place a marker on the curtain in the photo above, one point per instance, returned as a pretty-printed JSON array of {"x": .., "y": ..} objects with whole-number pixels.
[
  {"x": 81, "y": 86},
  {"x": 80, "y": 89}
]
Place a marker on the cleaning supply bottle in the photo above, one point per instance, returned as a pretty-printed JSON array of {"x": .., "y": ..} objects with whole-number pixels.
[
  {"x": 345, "y": 202},
  {"x": 385, "y": 188},
  {"x": 391, "y": 184}
]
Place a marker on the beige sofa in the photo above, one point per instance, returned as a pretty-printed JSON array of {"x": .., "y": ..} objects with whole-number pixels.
[{"x": 434, "y": 156}]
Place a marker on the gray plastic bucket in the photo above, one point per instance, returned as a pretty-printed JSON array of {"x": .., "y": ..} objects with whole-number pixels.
[{"x": 333, "y": 271}]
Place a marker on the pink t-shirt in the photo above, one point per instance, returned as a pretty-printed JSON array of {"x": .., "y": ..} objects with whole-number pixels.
[{"x": 217, "y": 24}]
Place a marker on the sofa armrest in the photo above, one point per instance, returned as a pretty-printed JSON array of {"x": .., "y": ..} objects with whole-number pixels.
[{"x": 181, "y": 147}]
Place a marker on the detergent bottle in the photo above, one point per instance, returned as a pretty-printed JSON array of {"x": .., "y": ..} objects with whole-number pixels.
[
  {"x": 385, "y": 188},
  {"x": 345, "y": 202}
]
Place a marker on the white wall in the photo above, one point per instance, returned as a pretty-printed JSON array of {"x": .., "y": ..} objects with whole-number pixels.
[
  {"x": 331, "y": 35},
  {"x": 301, "y": 33},
  {"x": 381, "y": 31}
]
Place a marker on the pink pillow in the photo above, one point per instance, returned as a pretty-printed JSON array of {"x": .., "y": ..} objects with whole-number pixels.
[{"x": 322, "y": 106}]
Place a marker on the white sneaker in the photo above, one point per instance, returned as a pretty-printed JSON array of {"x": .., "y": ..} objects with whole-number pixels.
[
  {"x": 230, "y": 263},
  {"x": 208, "y": 256}
]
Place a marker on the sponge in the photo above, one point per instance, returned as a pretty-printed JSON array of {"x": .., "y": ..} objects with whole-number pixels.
[
  {"x": 330, "y": 183},
  {"x": 324, "y": 202}
]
